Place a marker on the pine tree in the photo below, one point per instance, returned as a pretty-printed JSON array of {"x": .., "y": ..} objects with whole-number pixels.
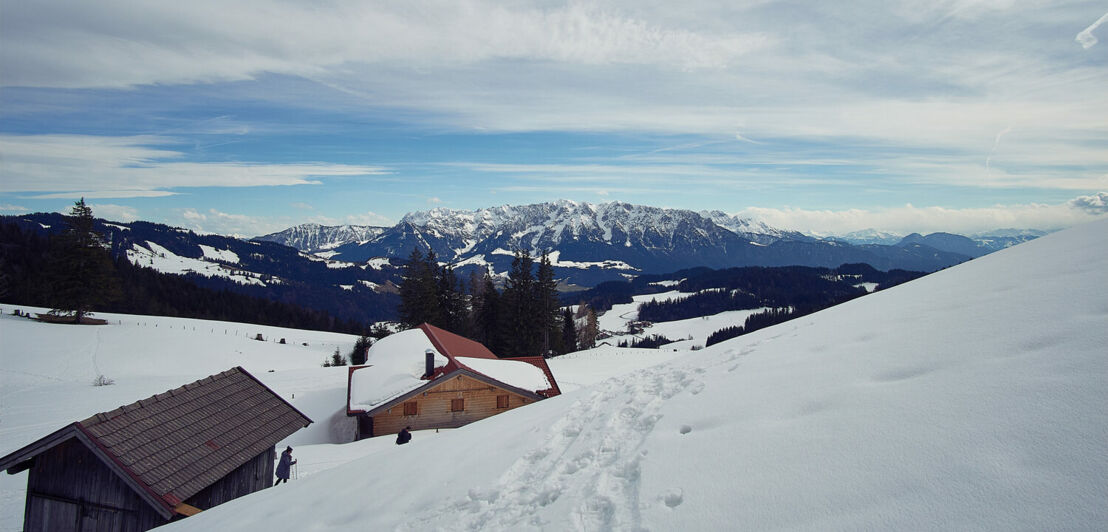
[
  {"x": 486, "y": 315},
  {"x": 546, "y": 305},
  {"x": 360, "y": 350},
  {"x": 81, "y": 270},
  {"x": 587, "y": 335},
  {"x": 419, "y": 291},
  {"x": 569, "y": 332},
  {"x": 520, "y": 325},
  {"x": 451, "y": 301},
  {"x": 410, "y": 309}
]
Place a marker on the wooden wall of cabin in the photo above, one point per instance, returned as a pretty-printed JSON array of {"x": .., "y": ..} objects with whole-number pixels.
[
  {"x": 254, "y": 475},
  {"x": 69, "y": 488},
  {"x": 433, "y": 406}
]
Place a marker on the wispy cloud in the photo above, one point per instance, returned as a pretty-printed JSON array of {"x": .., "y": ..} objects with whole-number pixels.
[
  {"x": 60, "y": 44},
  {"x": 1086, "y": 38},
  {"x": 109, "y": 211},
  {"x": 926, "y": 219},
  {"x": 66, "y": 166},
  {"x": 751, "y": 97},
  {"x": 8, "y": 207}
]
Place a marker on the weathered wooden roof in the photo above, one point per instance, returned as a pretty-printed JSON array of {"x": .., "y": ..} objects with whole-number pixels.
[{"x": 172, "y": 445}]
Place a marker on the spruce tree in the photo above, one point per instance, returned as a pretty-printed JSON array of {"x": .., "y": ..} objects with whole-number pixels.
[
  {"x": 360, "y": 350},
  {"x": 410, "y": 306},
  {"x": 587, "y": 335},
  {"x": 519, "y": 315},
  {"x": 546, "y": 305},
  {"x": 419, "y": 291},
  {"x": 486, "y": 315},
  {"x": 451, "y": 301},
  {"x": 569, "y": 332},
  {"x": 81, "y": 270}
]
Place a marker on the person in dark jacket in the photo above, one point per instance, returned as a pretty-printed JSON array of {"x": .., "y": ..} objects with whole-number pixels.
[
  {"x": 284, "y": 466},
  {"x": 404, "y": 436}
]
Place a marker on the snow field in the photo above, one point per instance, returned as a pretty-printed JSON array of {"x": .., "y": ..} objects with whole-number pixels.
[
  {"x": 972, "y": 398},
  {"x": 969, "y": 399}
]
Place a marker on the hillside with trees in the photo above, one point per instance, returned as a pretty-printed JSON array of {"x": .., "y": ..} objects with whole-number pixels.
[{"x": 74, "y": 273}]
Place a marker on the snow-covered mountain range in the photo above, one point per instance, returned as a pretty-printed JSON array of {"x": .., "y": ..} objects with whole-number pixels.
[
  {"x": 590, "y": 243},
  {"x": 316, "y": 238}
]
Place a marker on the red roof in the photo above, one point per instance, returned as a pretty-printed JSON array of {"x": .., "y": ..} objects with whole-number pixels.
[{"x": 452, "y": 346}]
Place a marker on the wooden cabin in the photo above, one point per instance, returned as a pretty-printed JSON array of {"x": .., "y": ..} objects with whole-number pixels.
[
  {"x": 428, "y": 378},
  {"x": 156, "y": 460}
]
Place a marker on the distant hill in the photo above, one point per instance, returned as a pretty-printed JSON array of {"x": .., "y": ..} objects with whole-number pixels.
[
  {"x": 362, "y": 293},
  {"x": 972, "y": 247}
]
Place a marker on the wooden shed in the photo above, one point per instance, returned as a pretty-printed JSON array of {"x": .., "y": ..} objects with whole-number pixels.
[
  {"x": 458, "y": 381},
  {"x": 156, "y": 460}
]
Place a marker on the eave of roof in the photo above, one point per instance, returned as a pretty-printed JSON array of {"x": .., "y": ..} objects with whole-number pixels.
[{"x": 432, "y": 384}]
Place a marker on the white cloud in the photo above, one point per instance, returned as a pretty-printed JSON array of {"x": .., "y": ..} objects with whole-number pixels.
[
  {"x": 115, "y": 213},
  {"x": 368, "y": 218},
  {"x": 910, "y": 218},
  {"x": 248, "y": 226},
  {"x": 67, "y": 166},
  {"x": 223, "y": 223},
  {"x": 8, "y": 207},
  {"x": 1086, "y": 37},
  {"x": 928, "y": 84},
  {"x": 118, "y": 44},
  {"x": 1095, "y": 205}
]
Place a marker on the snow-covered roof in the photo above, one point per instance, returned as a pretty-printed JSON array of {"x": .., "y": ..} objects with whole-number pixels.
[
  {"x": 397, "y": 365},
  {"x": 512, "y": 372},
  {"x": 398, "y": 362}
]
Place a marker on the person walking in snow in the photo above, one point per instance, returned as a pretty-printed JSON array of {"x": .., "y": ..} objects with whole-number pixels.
[
  {"x": 284, "y": 466},
  {"x": 404, "y": 436}
]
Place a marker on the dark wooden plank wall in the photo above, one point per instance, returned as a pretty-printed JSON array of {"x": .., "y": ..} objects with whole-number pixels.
[
  {"x": 69, "y": 488},
  {"x": 254, "y": 475}
]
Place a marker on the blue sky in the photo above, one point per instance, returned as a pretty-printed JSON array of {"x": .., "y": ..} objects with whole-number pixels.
[{"x": 831, "y": 117}]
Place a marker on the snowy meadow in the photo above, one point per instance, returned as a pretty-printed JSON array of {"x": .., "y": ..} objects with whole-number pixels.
[{"x": 972, "y": 398}]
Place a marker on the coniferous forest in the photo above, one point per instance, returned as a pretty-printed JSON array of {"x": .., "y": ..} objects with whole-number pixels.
[
  {"x": 523, "y": 319},
  {"x": 34, "y": 271}
]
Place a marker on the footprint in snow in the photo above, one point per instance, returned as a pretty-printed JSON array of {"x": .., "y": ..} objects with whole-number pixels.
[{"x": 673, "y": 497}]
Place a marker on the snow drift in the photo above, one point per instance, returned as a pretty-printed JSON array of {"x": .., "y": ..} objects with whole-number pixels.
[{"x": 969, "y": 399}]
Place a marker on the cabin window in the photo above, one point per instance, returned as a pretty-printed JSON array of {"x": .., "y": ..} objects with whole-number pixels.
[
  {"x": 457, "y": 405},
  {"x": 502, "y": 401},
  {"x": 411, "y": 408}
]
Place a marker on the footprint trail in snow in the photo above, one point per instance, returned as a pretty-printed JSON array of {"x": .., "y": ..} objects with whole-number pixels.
[{"x": 589, "y": 466}]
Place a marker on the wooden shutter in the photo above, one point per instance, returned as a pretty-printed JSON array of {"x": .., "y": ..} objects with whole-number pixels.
[
  {"x": 502, "y": 401},
  {"x": 457, "y": 405},
  {"x": 411, "y": 408}
]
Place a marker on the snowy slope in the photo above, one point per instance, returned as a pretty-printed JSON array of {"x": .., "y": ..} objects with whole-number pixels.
[
  {"x": 969, "y": 399},
  {"x": 47, "y": 372}
]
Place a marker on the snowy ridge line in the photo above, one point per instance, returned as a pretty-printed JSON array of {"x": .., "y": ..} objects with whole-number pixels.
[{"x": 590, "y": 461}]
